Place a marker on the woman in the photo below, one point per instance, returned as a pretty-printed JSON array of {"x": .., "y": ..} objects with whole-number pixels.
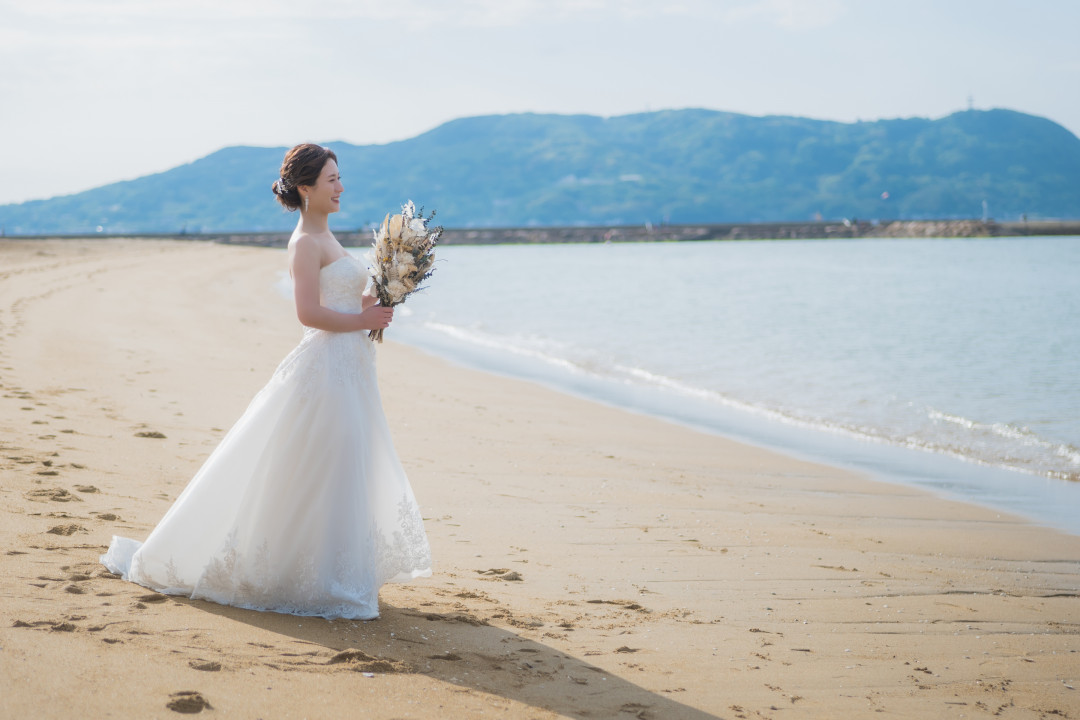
[{"x": 304, "y": 507}]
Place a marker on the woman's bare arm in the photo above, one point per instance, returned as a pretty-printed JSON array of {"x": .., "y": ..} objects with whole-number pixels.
[{"x": 305, "y": 262}]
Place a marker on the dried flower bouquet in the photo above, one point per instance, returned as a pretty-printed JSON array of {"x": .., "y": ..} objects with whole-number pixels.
[{"x": 402, "y": 257}]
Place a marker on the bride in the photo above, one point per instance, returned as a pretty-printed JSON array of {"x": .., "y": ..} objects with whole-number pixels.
[{"x": 304, "y": 507}]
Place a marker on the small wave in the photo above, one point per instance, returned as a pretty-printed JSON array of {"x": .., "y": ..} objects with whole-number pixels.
[
  {"x": 622, "y": 373},
  {"x": 1026, "y": 437},
  {"x": 990, "y": 444},
  {"x": 493, "y": 342},
  {"x": 1004, "y": 430},
  {"x": 954, "y": 419},
  {"x": 1069, "y": 453}
]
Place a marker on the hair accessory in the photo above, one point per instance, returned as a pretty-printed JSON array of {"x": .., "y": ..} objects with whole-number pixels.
[{"x": 283, "y": 186}]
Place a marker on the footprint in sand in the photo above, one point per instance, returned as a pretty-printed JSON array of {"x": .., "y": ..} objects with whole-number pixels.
[
  {"x": 465, "y": 618},
  {"x": 502, "y": 574},
  {"x": 629, "y": 605},
  {"x": 360, "y": 661},
  {"x": 448, "y": 656},
  {"x": 52, "y": 494},
  {"x": 66, "y": 530},
  {"x": 88, "y": 489},
  {"x": 205, "y": 665},
  {"x": 150, "y": 434},
  {"x": 189, "y": 702},
  {"x": 636, "y": 709},
  {"x": 53, "y": 625},
  {"x": 469, "y": 595}
]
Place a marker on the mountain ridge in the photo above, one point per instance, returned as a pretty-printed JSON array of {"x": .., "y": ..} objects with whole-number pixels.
[{"x": 670, "y": 166}]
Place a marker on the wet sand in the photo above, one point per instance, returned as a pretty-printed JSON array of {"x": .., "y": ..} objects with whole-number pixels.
[{"x": 589, "y": 563}]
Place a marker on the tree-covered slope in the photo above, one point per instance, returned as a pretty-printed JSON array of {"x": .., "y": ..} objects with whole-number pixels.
[{"x": 678, "y": 166}]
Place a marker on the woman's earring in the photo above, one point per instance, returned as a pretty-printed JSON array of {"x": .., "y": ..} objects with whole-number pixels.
[{"x": 306, "y": 199}]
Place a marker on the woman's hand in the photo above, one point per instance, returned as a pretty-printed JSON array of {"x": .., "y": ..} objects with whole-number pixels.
[{"x": 376, "y": 317}]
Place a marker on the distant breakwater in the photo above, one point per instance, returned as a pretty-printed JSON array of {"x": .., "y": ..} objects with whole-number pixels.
[
  {"x": 731, "y": 231},
  {"x": 671, "y": 233}
]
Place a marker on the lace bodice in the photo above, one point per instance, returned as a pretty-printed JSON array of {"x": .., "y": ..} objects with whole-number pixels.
[{"x": 341, "y": 283}]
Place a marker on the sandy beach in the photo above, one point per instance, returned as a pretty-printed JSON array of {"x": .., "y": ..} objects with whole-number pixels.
[{"x": 589, "y": 563}]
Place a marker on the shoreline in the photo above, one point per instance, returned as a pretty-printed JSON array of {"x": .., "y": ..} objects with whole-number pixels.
[
  {"x": 665, "y": 573},
  {"x": 1042, "y": 500},
  {"x": 687, "y": 232}
]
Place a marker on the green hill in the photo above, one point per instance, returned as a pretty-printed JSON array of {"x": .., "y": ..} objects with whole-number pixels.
[{"x": 677, "y": 166}]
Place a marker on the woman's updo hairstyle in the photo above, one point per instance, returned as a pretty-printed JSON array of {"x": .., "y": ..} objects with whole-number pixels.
[{"x": 301, "y": 166}]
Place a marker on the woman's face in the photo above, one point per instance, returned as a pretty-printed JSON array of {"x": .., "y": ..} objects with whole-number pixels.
[{"x": 325, "y": 194}]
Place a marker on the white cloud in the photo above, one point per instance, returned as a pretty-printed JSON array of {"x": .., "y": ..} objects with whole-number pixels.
[
  {"x": 430, "y": 13},
  {"x": 792, "y": 14}
]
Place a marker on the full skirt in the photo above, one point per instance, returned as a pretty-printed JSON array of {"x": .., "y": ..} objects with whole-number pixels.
[{"x": 303, "y": 508}]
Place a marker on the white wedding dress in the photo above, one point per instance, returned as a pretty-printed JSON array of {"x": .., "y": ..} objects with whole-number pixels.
[{"x": 304, "y": 507}]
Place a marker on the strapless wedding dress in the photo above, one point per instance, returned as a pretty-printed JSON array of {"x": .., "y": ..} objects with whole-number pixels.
[{"x": 304, "y": 507}]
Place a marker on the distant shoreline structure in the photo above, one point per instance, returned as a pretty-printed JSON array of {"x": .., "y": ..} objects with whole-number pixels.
[{"x": 651, "y": 233}]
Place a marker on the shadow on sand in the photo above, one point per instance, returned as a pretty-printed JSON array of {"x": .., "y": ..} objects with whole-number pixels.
[{"x": 464, "y": 650}]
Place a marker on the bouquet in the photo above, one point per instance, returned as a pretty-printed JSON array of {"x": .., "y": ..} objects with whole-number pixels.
[{"x": 402, "y": 257}]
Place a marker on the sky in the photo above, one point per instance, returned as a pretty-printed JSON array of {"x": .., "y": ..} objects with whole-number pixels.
[{"x": 96, "y": 91}]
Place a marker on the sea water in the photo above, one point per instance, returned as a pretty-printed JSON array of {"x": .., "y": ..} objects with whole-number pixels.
[{"x": 948, "y": 363}]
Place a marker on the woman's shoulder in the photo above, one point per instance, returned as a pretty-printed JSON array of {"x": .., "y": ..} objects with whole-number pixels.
[
  {"x": 303, "y": 240},
  {"x": 313, "y": 250},
  {"x": 305, "y": 252},
  {"x": 308, "y": 245},
  {"x": 307, "y": 241}
]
